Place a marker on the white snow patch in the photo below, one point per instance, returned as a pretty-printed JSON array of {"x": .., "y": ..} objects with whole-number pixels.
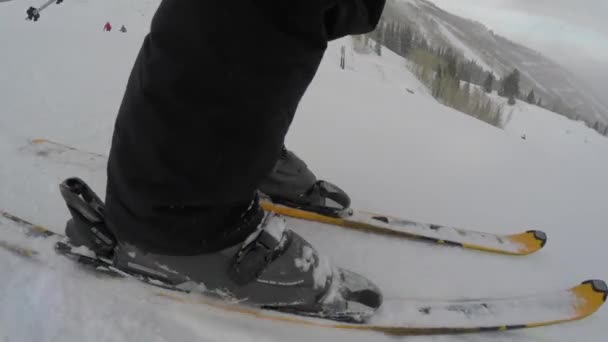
[
  {"x": 306, "y": 260},
  {"x": 191, "y": 286},
  {"x": 334, "y": 294},
  {"x": 322, "y": 271},
  {"x": 83, "y": 250},
  {"x": 228, "y": 296},
  {"x": 549, "y": 306},
  {"x": 275, "y": 226}
]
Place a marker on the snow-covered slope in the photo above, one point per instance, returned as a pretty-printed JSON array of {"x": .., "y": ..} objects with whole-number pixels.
[{"x": 393, "y": 151}]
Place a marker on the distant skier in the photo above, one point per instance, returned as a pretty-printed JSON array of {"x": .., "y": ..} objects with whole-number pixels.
[
  {"x": 123, "y": 29},
  {"x": 32, "y": 14},
  {"x": 107, "y": 27}
]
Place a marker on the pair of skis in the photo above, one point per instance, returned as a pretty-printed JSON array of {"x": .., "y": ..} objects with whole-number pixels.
[
  {"x": 523, "y": 243},
  {"x": 416, "y": 317}
]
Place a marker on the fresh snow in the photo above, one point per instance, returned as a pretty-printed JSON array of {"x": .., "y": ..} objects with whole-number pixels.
[
  {"x": 275, "y": 227},
  {"x": 322, "y": 271},
  {"x": 393, "y": 151},
  {"x": 305, "y": 260}
]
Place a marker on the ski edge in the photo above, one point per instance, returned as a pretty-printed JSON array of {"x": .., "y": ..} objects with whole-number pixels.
[{"x": 530, "y": 241}]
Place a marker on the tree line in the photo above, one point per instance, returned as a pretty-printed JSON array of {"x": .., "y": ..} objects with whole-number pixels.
[{"x": 461, "y": 84}]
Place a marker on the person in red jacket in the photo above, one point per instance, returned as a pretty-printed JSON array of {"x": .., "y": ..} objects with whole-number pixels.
[{"x": 107, "y": 27}]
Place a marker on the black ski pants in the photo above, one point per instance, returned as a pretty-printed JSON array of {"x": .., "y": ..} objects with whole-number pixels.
[{"x": 210, "y": 98}]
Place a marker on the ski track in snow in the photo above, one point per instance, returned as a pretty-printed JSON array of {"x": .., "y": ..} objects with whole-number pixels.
[{"x": 394, "y": 152}]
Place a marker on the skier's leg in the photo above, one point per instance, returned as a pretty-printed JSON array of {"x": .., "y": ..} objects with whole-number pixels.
[{"x": 202, "y": 123}]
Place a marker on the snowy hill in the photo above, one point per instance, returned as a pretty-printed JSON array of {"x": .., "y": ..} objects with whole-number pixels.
[
  {"x": 395, "y": 152},
  {"x": 554, "y": 83}
]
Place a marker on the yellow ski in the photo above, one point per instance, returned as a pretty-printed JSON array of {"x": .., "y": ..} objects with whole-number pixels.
[
  {"x": 523, "y": 243},
  {"x": 517, "y": 244}
]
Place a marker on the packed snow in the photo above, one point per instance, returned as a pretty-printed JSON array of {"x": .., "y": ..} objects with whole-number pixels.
[{"x": 372, "y": 129}]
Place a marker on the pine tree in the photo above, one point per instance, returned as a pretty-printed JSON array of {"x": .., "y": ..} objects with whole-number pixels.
[
  {"x": 515, "y": 84},
  {"x": 474, "y": 101},
  {"x": 437, "y": 82},
  {"x": 511, "y": 101},
  {"x": 466, "y": 95},
  {"x": 498, "y": 117},
  {"x": 452, "y": 67},
  {"x": 539, "y": 102},
  {"x": 489, "y": 83},
  {"x": 501, "y": 88},
  {"x": 406, "y": 45},
  {"x": 531, "y": 99},
  {"x": 510, "y": 86},
  {"x": 487, "y": 110}
]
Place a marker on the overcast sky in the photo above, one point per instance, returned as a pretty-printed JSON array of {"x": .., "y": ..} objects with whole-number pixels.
[{"x": 571, "y": 32}]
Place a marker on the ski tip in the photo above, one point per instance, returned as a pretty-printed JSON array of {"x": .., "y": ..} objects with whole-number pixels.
[
  {"x": 540, "y": 236},
  {"x": 598, "y": 286},
  {"x": 590, "y": 295},
  {"x": 530, "y": 241},
  {"x": 38, "y": 141}
]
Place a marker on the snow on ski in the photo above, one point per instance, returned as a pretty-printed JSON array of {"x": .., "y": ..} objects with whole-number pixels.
[
  {"x": 517, "y": 244},
  {"x": 398, "y": 317},
  {"x": 522, "y": 243},
  {"x": 425, "y": 317}
]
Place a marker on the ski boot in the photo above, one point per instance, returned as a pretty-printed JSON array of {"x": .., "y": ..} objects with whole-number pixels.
[
  {"x": 274, "y": 268},
  {"x": 292, "y": 183}
]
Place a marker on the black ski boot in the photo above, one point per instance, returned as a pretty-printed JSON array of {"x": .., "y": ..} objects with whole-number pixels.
[
  {"x": 273, "y": 268},
  {"x": 293, "y": 184}
]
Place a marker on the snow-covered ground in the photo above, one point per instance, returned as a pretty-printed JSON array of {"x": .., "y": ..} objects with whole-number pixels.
[{"x": 395, "y": 152}]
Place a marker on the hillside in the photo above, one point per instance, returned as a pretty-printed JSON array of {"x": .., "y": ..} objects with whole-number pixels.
[{"x": 555, "y": 84}]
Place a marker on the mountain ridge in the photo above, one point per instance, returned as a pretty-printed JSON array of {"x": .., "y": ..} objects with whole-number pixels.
[{"x": 558, "y": 87}]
